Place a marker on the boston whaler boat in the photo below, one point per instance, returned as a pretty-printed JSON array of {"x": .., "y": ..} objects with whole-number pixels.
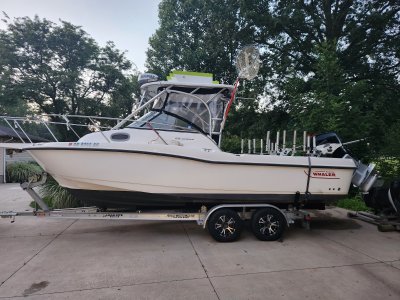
[{"x": 170, "y": 157}]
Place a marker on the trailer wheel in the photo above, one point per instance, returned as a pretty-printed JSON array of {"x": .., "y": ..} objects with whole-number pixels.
[
  {"x": 225, "y": 225},
  {"x": 268, "y": 224}
]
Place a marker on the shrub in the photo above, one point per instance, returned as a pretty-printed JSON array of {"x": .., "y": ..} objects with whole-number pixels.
[
  {"x": 388, "y": 167},
  {"x": 356, "y": 204},
  {"x": 56, "y": 196},
  {"x": 231, "y": 143},
  {"x": 23, "y": 171}
]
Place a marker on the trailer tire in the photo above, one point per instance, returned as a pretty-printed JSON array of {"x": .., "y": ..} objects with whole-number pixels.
[
  {"x": 225, "y": 225},
  {"x": 268, "y": 224}
]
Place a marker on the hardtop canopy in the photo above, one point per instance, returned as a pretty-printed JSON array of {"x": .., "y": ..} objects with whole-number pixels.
[{"x": 188, "y": 97}]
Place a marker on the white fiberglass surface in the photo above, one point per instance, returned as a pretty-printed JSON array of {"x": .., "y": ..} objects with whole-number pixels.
[{"x": 171, "y": 174}]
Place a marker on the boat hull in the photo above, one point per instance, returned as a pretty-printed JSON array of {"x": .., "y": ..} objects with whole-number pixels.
[
  {"x": 157, "y": 176},
  {"x": 138, "y": 200}
]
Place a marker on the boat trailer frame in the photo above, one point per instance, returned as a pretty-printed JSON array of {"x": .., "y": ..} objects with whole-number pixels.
[{"x": 93, "y": 213}]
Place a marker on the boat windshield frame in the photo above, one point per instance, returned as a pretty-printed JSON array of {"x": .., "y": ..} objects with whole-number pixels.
[
  {"x": 142, "y": 122},
  {"x": 210, "y": 126}
]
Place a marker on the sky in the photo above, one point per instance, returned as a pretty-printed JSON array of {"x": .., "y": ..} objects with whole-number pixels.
[{"x": 128, "y": 23}]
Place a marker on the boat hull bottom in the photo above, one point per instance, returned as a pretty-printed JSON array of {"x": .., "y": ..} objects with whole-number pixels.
[{"x": 135, "y": 200}]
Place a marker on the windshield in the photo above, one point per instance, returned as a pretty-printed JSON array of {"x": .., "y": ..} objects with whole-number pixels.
[
  {"x": 161, "y": 120},
  {"x": 202, "y": 110},
  {"x": 186, "y": 108}
]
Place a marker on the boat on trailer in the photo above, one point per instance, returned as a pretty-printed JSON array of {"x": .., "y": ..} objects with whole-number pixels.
[{"x": 170, "y": 157}]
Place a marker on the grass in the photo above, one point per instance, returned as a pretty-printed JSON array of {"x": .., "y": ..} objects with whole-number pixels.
[
  {"x": 46, "y": 200},
  {"x": 23, "y": 171},
  {"x": 56, "y": 196},
  {"x": 354, "y": 203}
]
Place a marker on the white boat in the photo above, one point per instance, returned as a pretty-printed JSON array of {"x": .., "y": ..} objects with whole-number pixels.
[{"x": 171, "y": 157}]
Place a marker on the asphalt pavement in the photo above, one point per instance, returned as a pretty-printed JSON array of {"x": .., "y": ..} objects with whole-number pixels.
[{"x": 339, "y": 258}]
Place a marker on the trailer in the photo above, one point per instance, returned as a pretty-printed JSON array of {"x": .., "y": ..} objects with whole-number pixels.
[{"x": 224, "y": 222}]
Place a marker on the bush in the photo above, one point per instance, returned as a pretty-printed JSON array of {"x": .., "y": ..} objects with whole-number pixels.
[
  {"x": 356, "y": 204},
  {"x": 23, "y": 171},
  {"x": 388, "y": 167},
  {"x": 56, "y": 196},
  {"x": 231, "y": 143}
]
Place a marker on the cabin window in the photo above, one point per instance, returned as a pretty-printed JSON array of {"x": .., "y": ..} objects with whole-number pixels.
[{"x": 120, "y": 136}]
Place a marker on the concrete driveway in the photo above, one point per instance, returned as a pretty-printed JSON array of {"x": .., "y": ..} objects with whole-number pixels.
[{"x": 338, "y": 258}]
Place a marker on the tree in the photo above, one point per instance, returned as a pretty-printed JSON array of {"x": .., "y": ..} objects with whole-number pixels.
[
  {"x": 125, "y": 97},
  {"x": 198, "y": 36},
  {"x": 332, "y": 64},
  {"x": 60, "y": 69},
  {"x": 291, "y": 30}
]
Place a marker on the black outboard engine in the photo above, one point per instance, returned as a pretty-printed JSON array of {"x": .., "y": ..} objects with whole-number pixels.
[
  {"x": 329, "y": 144},
  {"x": 384, "y": 200}
]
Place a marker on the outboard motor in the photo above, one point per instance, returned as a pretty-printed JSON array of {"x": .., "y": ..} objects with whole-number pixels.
[
  {"x": 384, "y": 200},
  {"x": 364, "y": 177},
  {"x": 329, "y": 144}
]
